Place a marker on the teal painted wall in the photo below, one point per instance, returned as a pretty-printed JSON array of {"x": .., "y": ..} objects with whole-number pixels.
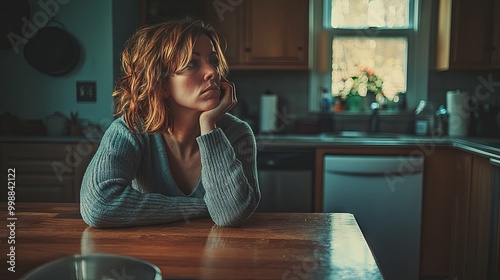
[{"x": 29, "y": 94}]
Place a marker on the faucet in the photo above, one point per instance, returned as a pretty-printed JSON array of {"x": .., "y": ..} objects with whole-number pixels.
[{"x": 374, "y": 118}]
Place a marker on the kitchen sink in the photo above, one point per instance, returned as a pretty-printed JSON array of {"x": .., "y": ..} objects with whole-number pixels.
[
  {"x": 359, "y": 134},
  {"x": 356, "y": 136}
]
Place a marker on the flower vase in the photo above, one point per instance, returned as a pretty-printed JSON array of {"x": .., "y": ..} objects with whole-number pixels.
[{"x": 355, "y": 103}]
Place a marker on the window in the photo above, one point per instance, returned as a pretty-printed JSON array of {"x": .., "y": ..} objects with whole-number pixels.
[{"x": 378, "y": 46}]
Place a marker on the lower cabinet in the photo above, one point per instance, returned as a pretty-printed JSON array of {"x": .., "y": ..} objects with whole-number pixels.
[
  {"x": 471, "y": 220},
  {"x": 444, "y": 167},
  {"x": 45, "y": 172},
  {"x": 456, "y": 216}
]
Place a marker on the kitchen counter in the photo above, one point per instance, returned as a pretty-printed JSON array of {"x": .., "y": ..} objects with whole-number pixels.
[
  {"x": 267, "y": 246},
  {"x": 489, "y": 147},
  {"x": 67, "y": 139}
]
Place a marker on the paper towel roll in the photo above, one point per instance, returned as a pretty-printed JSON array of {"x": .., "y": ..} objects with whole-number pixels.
[
  {"x": 457, "y": 103},
  {"x": 268, "y": 112}
]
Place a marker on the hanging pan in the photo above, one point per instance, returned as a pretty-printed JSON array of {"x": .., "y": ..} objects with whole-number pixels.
[{"x": 52, "y": 51}]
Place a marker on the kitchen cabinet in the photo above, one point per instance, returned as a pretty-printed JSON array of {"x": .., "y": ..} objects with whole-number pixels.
[
  {"x": 277, "y": 33},
  {"x": 444, "y": 171},
  {"x": 455, "y": 229},
  {"x": 227, "y": 22},
  {"x": 495, "y": 229},
  {"x": 470, "y": 236},
  {"x": 478, "y": 238},
  {"x": 456, "y": 215},
  {"x": 46, "y": 172},
  {"x": 154, "y": 11},
  {"x": 468, "y": 35},
  {"x": 255, "y": 34}
]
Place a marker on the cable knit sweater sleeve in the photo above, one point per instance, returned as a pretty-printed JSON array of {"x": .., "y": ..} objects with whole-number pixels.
[
  {"x": 107, "y": 198},
  {"x": 229, "y": 171}
]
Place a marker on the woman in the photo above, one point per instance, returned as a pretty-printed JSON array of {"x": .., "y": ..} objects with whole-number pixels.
[{"x": 174, "y": 153}]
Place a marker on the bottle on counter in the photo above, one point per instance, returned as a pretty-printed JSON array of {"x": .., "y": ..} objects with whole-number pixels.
[
  {"x": 326, "y": 102},
  {"x": 424, "y": 118},
  {"x": 441, "y": 121},
  {"x": 325, "y": 119}
]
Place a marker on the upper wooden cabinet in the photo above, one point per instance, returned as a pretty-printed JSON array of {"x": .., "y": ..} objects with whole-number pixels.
[
  {"x": 255, "y": 34},
  {"x": 264, "y": 34},
  {"x": 275, "y": 34},
  {"x": 468, "y": 35},
  {"x": 226, "y": 20}
]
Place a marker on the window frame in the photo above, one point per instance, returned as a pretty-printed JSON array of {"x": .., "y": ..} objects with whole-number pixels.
[{"x": 418, "y": 34}]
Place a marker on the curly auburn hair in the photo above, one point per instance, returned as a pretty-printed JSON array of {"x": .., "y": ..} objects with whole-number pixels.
[{"x": 153, "y": 53}]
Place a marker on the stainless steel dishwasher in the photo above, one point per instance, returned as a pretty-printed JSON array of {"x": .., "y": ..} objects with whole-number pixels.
[
  {"x": 285, "y": 179},
  {"x": 385, "y": 194}
]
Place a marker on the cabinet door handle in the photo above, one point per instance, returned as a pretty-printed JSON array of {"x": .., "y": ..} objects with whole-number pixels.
[
  {"x": 247, "y": 49},
  {"x": 299, "y": 48}
]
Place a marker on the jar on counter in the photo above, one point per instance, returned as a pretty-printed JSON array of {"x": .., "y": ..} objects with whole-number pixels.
[
  {"x": 57, "y": 124},
  {"x": 424, "y": 118}
]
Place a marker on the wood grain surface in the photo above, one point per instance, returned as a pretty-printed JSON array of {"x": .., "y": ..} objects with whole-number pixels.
[{"x": 267, "y": 246}]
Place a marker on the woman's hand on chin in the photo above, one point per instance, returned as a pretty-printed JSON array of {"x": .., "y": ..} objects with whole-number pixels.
[{"x": 228, "y": 100}]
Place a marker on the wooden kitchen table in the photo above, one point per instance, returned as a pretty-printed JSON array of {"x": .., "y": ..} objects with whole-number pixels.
[{"x": 267, "y": 246}]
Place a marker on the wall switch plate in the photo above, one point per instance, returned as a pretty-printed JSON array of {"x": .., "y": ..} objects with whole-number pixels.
[{"x": 86, "y": 91}]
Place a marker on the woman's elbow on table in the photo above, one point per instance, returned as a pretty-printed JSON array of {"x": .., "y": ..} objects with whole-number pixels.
[
  {"x": 91, "y": 221},
  {"x": 236, "y": 217},
  {"x": 228, "y": 221},
  {"x": 93, "y": 218}
]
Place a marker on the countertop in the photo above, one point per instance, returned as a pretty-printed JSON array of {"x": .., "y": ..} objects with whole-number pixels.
[
  {"x": 489, "y": 147},
  {"x": 266, "y": 246},
  {"x": 67, "y": 139}
]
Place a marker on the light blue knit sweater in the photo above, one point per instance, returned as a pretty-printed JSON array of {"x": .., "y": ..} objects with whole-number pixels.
[{"x": 128, "y": 182}]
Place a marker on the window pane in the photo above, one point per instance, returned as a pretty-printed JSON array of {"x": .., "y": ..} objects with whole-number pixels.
[
  {"x": 370, "y": 13},
  {"x": 385, "y": 57}
]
